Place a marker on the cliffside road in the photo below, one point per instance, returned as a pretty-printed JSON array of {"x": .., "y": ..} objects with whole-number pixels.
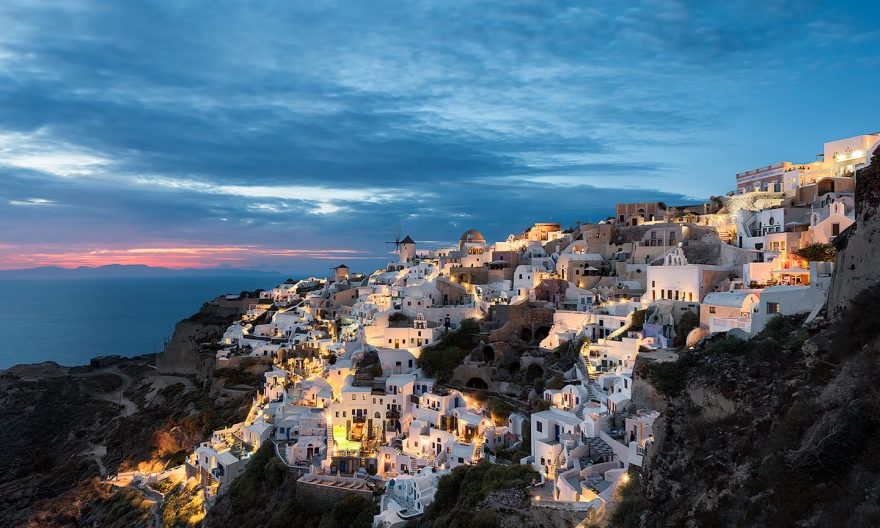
[{"x": 118, "y": 397}]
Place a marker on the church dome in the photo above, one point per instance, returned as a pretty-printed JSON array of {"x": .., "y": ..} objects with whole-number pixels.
[{"x": 472, "y": 236}]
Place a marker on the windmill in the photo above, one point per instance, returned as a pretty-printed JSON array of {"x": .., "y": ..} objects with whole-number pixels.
[{"x": 397, "y": 240}]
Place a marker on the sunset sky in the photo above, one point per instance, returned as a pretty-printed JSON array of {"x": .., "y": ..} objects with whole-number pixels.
[{"x": 296, "y": 135}]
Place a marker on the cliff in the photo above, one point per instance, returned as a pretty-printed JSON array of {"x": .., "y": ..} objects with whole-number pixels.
[
  {"x": 780, "y": 430},
  {"x": 192, "y": 347},
  {"x": 63, "y": 429},
  {"x": 858, "y": 261}
]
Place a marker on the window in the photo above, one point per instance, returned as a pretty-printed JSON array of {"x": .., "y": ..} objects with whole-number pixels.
[
  {"x": 773, "y": 308},
  {"x": 835, "y": 229},
  {"x": 540, "y": 428},
  {"x": 711, "y": 309}
]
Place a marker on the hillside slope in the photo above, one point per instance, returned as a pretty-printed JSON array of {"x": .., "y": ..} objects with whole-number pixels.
[{"x": 781, "y": 430}]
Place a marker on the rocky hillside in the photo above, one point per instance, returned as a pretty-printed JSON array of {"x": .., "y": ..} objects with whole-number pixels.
[
  {"x": 781, "y": 430},
  {"x": 191, "y": 350},
  {"x": 63, "y": 429},
  {"x": 858, "y": 264}
]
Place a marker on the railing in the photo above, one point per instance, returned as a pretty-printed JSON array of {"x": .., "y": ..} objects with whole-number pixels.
[{"x": 722, "y": 324}]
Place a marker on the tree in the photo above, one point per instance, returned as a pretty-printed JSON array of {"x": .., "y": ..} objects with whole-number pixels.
[
  {"x": 440, "y": 359},
  {"x": 817, "y": 252},
  {"x": 689, "y": 320},
  {"x": 555, "y": 383},
  {"x": 638, "y": 319}
]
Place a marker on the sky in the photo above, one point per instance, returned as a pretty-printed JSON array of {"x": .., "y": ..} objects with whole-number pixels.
[{"x": 295, "y": 136}]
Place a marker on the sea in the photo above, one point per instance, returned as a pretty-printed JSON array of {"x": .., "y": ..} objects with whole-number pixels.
[{"x": 71, "y": 320}]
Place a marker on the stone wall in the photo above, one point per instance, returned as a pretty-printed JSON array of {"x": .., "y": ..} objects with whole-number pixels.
[{"x": 519, "y": 316}]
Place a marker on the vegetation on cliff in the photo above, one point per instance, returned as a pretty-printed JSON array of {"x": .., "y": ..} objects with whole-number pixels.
[
  {"x": 460, "y": 495},
  {"x": 780, "y": 430},
  {"x": 265, "y": 495},
  {"x": 817, "y": 252},
  {"x": 440, "y": 359}
]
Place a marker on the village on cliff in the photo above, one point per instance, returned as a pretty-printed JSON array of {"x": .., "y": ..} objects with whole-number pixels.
[{"x": 522, "y": 351}]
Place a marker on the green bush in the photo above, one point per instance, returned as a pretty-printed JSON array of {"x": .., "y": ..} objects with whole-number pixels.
[
  {"x": 670, "y": 377},
  {"x": 540, "y": 405},
  {"x": 460, "y": 492},
  {"x": 689, "y": 320},
  {"x": 638, "y": 319},
  {"x": 398, "y": 317},
  {"x": 500, "y": 410},
  {"x": 726, "y": 345},
  {"x": 350, "y": 511},
  {"x": 440, "y": 359},
  {"x": 817, "y": 252},
  {"x": 630, "y": 506}
]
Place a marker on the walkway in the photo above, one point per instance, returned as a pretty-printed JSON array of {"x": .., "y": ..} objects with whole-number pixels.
[{"x": 118, "y": 397}]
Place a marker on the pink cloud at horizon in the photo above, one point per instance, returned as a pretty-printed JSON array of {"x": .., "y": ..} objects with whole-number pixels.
[{"x": 20, "y": 257}]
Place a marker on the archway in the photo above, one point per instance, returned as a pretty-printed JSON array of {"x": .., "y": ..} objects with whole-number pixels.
[
  {"x": 525, "y": 334},
  {"x": 488, "y": 354},
  {"x": 541, "y": 333},
  {"x": 513, "y": 367},
  {"x": 534, "y": 371},
  {"x": 477, "y": 383}
]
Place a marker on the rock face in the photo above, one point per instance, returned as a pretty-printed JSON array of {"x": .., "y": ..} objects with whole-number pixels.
[
  {"x": 780, "y": 430},
  {"x": 189, "y": 351},
  {"x": 62, "y": 428},
  {"x": 858, "y": 261}
]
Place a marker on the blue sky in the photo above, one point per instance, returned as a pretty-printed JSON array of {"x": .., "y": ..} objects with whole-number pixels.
[{"x": 289, "y": 135}]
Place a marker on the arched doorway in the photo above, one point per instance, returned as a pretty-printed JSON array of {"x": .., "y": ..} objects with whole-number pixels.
[
  {"x": 541, "y": 333},
  {"x": 525, "y": 334},
  {"x": 488, "y": 354},
  {"x": 477, "y": 383},
  {"x": 534, "y": 371}
]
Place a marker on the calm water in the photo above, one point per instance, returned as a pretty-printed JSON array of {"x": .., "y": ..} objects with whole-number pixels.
[{"x": 70, "y": 321}]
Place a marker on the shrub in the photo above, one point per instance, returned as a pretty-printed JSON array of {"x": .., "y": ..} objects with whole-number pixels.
[
  {"x": 630, "y": 506},
  {"x": 689, "y": 320},
  {"x": 460, "y": 492},
  {"x": 638, "y": 319},
  {"x": 398, "y": 317},
  {"x": 726, "y": 345},
  {"x": 350, "y": 511},
  {"x": 540, "y": 405},
  {"x": 555, "y": 383},
  {"x": 500, "y": 410},
  {"x": 440, "y": 359},
  {"x": 670, "y": 377},
  {"x": 817, "y": 252}
]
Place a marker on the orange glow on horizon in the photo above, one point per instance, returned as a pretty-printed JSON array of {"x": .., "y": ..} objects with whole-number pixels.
[{"x": 177, "y": 257}]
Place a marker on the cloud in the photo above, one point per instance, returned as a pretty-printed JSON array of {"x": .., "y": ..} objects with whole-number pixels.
[
  {"x": 318, "y": 124},
  {"x": 32, "y": 201}
]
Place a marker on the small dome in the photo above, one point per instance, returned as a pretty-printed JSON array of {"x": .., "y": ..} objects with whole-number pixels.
[{"x": 472, "y": 236}]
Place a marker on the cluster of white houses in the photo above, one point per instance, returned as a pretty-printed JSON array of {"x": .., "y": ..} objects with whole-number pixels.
[{"x": 345, "y": 395}]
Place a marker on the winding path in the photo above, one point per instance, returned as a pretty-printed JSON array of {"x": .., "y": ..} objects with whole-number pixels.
[{"x": 118, "y": 396}]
